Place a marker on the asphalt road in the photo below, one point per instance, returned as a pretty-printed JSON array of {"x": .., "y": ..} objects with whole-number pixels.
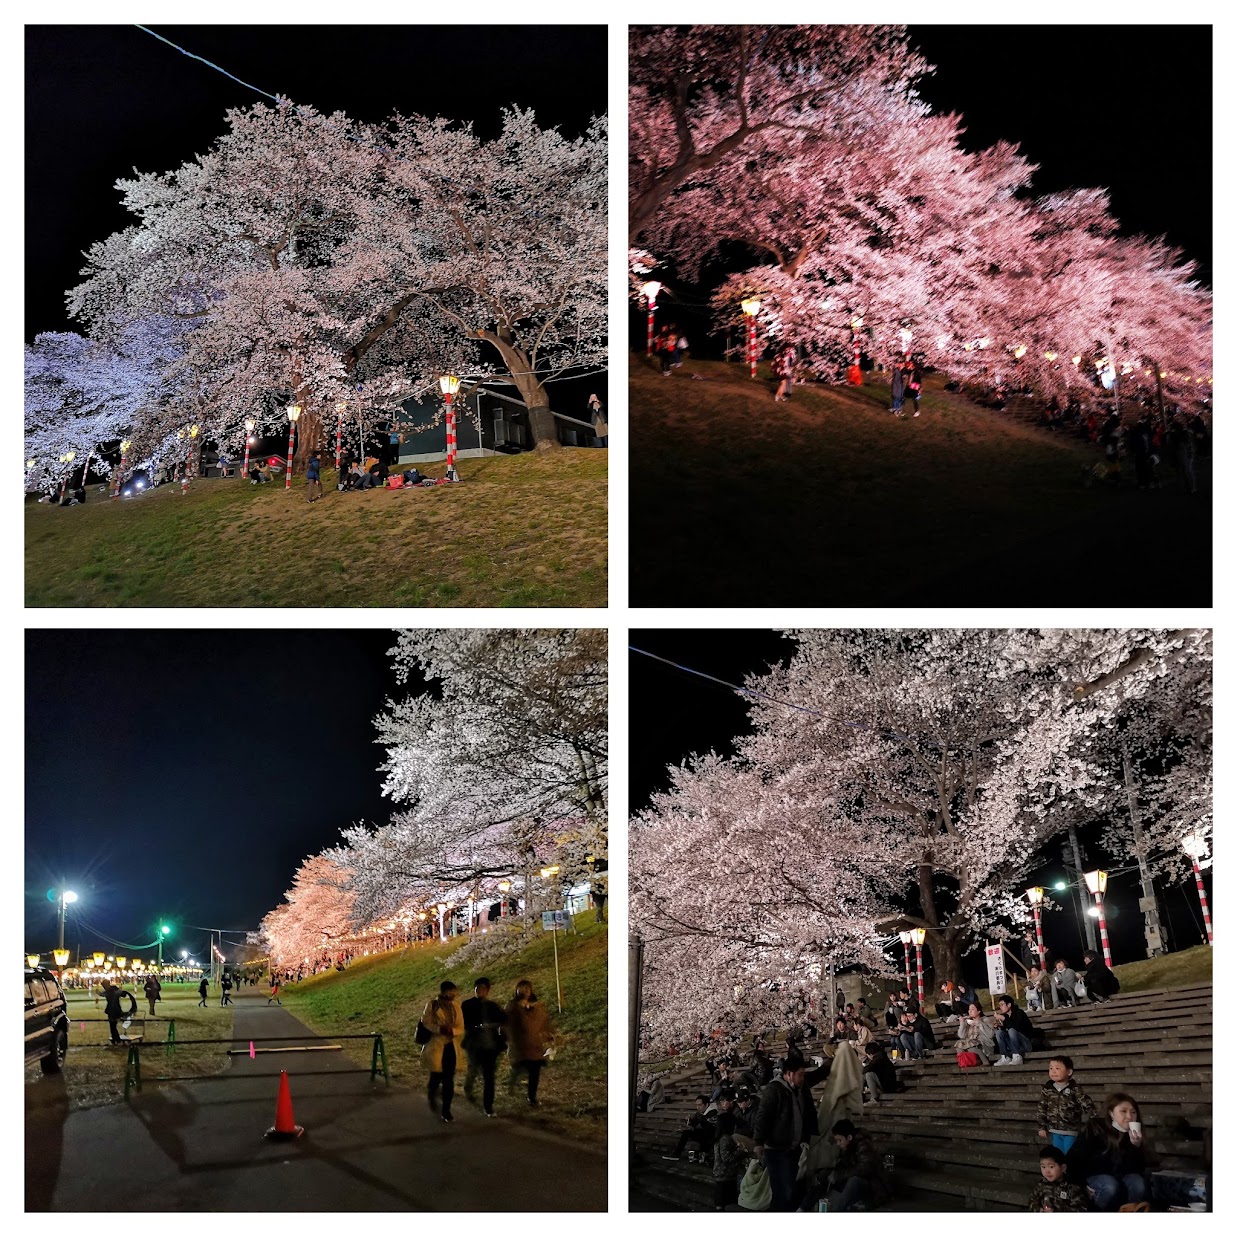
[{"x": 199, "y": 1146}]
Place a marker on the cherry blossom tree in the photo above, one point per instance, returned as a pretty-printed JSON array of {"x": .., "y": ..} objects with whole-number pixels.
[
  {"x": 303, "y": 246},
  {"x": 316, "y": 911},
  {"x": 703, "y": 96},
  {"x": 914, "y": 781},
  {"x": 504, "y": 769}
]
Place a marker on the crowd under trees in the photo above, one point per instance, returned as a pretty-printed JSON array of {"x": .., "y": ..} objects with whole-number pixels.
[
  {"x": 315, "y": 260},
  {"x": 808, "y": 149},
  {"x": 498, "y": 772},
  {"x": 913, "y": 784}
]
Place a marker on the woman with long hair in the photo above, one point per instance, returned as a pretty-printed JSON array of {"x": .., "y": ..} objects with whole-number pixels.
[
  {"x": 529, "y": 1035},
  {"x": 1110, "y": 1155}
]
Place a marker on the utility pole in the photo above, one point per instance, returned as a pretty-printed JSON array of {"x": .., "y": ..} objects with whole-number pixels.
[
  {"x": 1147, "y": 903},
  {"x": 1088, "y": 923},
  {"x": 635, "y": 1007}
]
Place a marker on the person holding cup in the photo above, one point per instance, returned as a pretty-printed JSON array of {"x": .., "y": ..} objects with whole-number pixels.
[{"x": 1110, "y": 1156}]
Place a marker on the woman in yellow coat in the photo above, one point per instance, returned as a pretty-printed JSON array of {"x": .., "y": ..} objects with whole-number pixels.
[
  {"x": 529, "y": 1036},
  {"x": 443, "y": 1054}
]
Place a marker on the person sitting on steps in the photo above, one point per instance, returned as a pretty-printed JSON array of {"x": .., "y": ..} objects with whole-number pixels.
[
  {"x": 1101, "y": 983},
  {"x": 1063, "y": 981},
  {"x": 1110, "y": 1156},
  {"x": 1013, "y": 1032},
  {"x": 975, "y": 1034},
  {"x": 699, "y": 1130}
]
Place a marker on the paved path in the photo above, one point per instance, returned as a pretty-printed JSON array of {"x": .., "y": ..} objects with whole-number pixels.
[{"x": 198, "y": 1146}]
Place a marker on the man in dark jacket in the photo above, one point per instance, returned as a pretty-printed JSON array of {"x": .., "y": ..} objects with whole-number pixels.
[
  {"x": 1101, "y": 982},
  {"x": 699, "y": 1130},
  {"x": 785, "y": 1121},
  {"x": 483, "y": 1042},
  {"x": 857, "y": 1177},
  {"x": 202, "y": 990},
  {"x": 1013, "y": 1032},
  {"x": 112, "y": 994}
]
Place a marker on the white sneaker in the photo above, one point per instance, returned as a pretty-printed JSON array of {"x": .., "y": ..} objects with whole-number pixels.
[
  {"x": 1001, "y": 1060},
  {"x": 1016, "y": 1059}
]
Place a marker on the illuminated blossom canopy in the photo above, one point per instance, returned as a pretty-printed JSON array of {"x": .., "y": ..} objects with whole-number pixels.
[
  {"x": 808, "y": 147},
  {"x": 323, "y": 261},
  {"x": 911, "y": 786}
]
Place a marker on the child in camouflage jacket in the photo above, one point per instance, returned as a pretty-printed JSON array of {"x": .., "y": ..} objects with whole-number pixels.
[
  {"x": 1064, "y": 1107},
  {"x": 1052, "y": 1191}
]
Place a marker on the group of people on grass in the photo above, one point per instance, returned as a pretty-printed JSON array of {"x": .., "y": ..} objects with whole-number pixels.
[
  {"x": 475, "y": 1033},
  {"x": 670, "y": 347},
  {"x": 772, "y": 1145}
]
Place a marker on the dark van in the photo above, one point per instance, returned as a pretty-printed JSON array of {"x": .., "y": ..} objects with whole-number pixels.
[{"x": 47, "y": 1021}]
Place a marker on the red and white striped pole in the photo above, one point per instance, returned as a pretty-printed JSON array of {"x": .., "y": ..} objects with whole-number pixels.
[
  {"x": 751, "y": 307},
  {"x": 120, "y": 468},
  {"x": 449, "y": 384},
  {"x": 1097, "y": 883},
  {"x": 919, "y": 970},
  {"x": 293, "y": 414},
  {"x": 649, "y": 291},
  {"x": 1195, "y": 846},
  {"x": 339, "y": 433},
  {"x": 855, "y": 375},
  {"x": 1039, "y": 936}
]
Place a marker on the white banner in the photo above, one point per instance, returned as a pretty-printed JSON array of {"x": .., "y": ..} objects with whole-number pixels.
[{"x": 996, "y": 970}]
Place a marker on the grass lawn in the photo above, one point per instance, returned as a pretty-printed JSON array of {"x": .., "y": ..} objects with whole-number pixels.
[
  {"x": 525, "y": 530},
  {"x": 387, "y": 992},
  {"x": 95, "y": 1074},
  {"x": 830, "y": 500}
]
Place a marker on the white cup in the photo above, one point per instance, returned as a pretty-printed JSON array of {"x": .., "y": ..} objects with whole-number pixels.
[{"x": 1136, "y": 1132}]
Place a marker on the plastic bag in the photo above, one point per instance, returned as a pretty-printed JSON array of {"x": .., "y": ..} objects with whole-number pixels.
[{"x": 755, "y": 1192}]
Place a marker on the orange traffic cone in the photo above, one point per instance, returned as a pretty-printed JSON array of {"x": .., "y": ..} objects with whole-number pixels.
[{"x": 285, "y": 1126}]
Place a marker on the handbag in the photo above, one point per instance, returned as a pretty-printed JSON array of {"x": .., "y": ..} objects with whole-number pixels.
[
  {"x": 968, "y": 1060},
  {"x": 755, "y": 1192},
  {"x": 422, "y": 1035}
]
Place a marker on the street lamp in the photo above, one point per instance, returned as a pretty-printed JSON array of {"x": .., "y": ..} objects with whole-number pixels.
[
  {"x": 1036, "y": 896},
  {"x": 504, "y": 887},
  {"x": 250, "y": 425},
  {"x": 120, "y": 962},
  {"x": 67, "y": 896},
  {"x": 442, "y": 931},
  {"x": 1195, "y": 845},
  {"x": 1097, "y": 883},
  {"x": 751, "y": 307},
  {"x": 99, "y": 958},
  {"x": 62, "y": 958},
  {"x": 905, "y": 335},
  {"x": 120, "y": 469},
  {"x": 184, "y": 476},
  {"x": 905, "y": 938},
  {"x": 854, "y": 375},
  {"x": 341, "y": 406},
  {"x": 67, "y": 458},
  {"x": 649, "y": 291},
  {"x": 294, "y": 415},
  {"x": 164, "y": 930},
  {"x": 32, "y": 960},
  {"x": 449, "y": 385},
  {"x": 917, "y": 935}
]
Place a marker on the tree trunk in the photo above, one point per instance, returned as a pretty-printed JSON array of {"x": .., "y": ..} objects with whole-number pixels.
[{"x": 532, "y": 391}]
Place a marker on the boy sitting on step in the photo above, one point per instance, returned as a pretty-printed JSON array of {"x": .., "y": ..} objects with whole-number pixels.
[
  {"x": 1053, "y": 1192},
  {"x": 1064, "y": 1107}
]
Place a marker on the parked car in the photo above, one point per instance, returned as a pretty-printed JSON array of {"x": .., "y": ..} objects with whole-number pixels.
[{"x": 47, "y": 1021}]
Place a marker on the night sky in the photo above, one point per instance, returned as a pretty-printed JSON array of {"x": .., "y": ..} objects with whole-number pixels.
[
  {"x": 1126, "y": 108},
  {"x": 674, "y": 714},
  {"x": 101, "y": 100},
  {"x": 185, "y": 774}
]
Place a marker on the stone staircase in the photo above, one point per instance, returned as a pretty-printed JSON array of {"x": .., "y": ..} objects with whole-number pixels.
[{"x": 966, "y": 1139}]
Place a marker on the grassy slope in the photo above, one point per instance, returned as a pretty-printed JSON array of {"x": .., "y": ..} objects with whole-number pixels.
[
  {"x": 830, "y": 500},
  {"x": 95, "y": 1074},
  {"x": 527, "y": 530},
  {"x": 387, "y": 993}
]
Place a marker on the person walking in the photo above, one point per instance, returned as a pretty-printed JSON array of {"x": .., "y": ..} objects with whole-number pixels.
[
  {"x": 598, "y": 886},
  {"x": 112, "y": 993},
  {"x": 153, "y": 989},
  {"x": 444, "y": 1020},
  {"x": 483, "y": 1041},
  {"x": 785, "y": 1120},
  {"x": 225, "y": 988},
  {"x": 784, "y": 368},
  {"x": 274, "y": 991},
  {"x": 528, "y": 1028},
  {"x": 313, "y": 478},
  {"x": 203, "y": 988},
  {"x": 896, "y": 390}
]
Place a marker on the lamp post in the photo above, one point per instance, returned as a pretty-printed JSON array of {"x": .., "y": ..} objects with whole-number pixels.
[
  {"x": 1036, "y": 897},
  {"x": 164, "y": 930},
  {"x": 1097, "y": 883},
  {"x": 917, "y": 935},
  {"x": 250, "y": 425},
  {"x": 905, "y": 938},
  {"x": 442, "y": 931},
  {"x": 449, "y": 384},
  {"x": 906, "y": 335},
  {"x": 504, "y": 887},
  {"x": 99, "y": 957},
  {"x": 854, "y": 375},
  {"x": 1195, "y": 845},
  {"x": 294, "y": 413},
  {"x": 649, "y": 291},
  {"x": 62, "y": 959},
  {"x": 340, "y": 408},
  {"x": 67, "y": 896},
  {"x": 751, "y": 307},
  {"x": 120, "y": 469},
  {"x": 194, "y": 430},
  {"x": 32, "y": 960}
]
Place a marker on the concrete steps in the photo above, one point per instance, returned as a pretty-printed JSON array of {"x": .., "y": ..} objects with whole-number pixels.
[{"x": 966, "y": 1139}]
